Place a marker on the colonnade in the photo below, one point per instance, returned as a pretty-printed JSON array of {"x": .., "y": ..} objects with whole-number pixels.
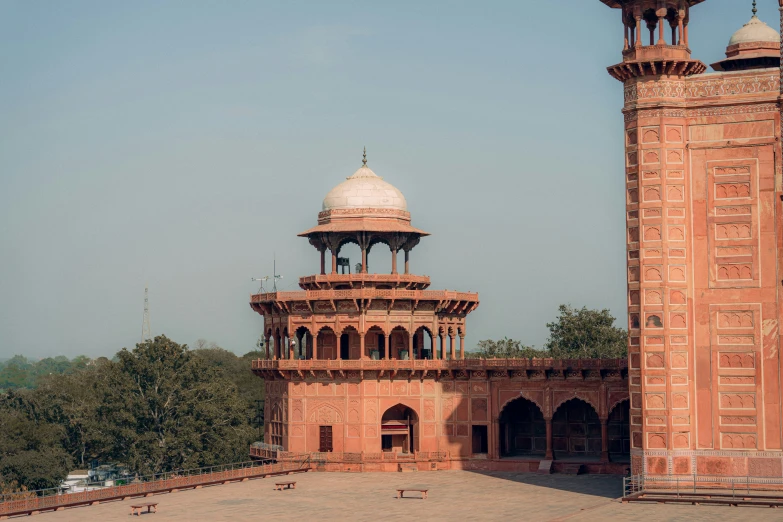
[
  {"x": 653, "y": 19},
  {"x": 365, "y": 250},
  {"x": 280, "y": 345}
]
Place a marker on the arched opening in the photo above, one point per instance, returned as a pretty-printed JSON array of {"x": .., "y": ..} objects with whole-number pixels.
[
  {"x": 398, "y": 344},
  {"x": 381, "y": 262},
  {"x": 327, "y": 344},
  {"x": 619, "y": 432},
  {"x": 423, "y": 343},
  {"x": 651, "y": 19},
  {"x": 285, "y": 345},
  {"x": 301, "y": 334},
  {"x": 522, "y": 429},
  {"x": 375, "y": 343},
  {"x": 399, "y": 430},
  {"x": 269, "y": 348},
  {"x": 350, "y": 345},
  {"x": 277, "y": 351},
  {"x": 671, "y": 17},
  {"x": 349, "y": 255},
  {"x": 576, "y": 430}
]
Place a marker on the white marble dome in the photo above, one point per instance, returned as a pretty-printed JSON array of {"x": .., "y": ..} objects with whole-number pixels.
[
  {"x": 364, "y": 189},
  {"x": 754, "y": 31}
]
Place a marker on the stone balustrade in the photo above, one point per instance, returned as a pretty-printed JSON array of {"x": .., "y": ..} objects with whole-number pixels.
[
  {"x": 364, "y": 293},
  {"x": 365, "y": 278},
  {"x": 439, "y": 364}
]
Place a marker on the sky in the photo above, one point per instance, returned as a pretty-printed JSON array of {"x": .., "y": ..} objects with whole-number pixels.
[{"x": 184, "y": 144}]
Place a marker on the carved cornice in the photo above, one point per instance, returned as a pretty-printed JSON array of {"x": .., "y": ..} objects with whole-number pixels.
[
  {"x": 703, "y": 87},
  {"x": 325, "y": 215},
  {"x": 633, "y": 115}
]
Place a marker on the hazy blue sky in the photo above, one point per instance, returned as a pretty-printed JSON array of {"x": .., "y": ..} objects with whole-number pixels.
[{"x": 181, "y": 143}]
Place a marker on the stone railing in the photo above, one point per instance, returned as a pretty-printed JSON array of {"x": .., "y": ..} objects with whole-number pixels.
[
  {"x": 439, "y": 364},
  {"x": 370, "y": 278},
  {"x": 364, "y": 293},
  {"x": 54, "y": 499}
]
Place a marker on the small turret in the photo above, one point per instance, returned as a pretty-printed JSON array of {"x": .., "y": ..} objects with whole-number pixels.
[{"x": 658, "y": 57}]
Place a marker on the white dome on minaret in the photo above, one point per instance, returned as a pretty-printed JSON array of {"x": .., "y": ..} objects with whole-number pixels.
[
  {"x": 364, "y": 189},
  {"x": 754, "y": 31}
]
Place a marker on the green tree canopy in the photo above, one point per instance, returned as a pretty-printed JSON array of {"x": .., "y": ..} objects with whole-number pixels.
[
  {"x": 170, "y": 409},
  {"x": 586, "y": 334},
  {"x": 505, "y": 349},
  {"x": 31, "y": 449}
]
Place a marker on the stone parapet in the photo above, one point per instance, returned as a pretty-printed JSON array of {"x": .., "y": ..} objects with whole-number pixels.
[{"x": 561, "y": 367}]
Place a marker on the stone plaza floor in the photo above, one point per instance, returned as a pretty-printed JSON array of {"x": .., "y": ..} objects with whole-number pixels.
[{"x": 453, "y": 495}]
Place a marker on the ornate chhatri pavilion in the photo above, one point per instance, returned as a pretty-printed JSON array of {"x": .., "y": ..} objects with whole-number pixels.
[{"x": 370, "y": 369}]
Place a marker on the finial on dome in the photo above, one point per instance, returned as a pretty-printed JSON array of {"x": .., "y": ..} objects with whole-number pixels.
[
  {"x": 754, "y": 8},
  {"x": 364, "y": 157}
]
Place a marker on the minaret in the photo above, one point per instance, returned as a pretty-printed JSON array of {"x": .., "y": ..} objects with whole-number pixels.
[{"x": 703, "y": 204}]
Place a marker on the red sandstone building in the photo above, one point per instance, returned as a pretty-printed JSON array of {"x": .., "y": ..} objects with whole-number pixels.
[
  {"x": 370, "y": 369},
  {"x": 373, "y": 377},
  {"x": 703, "y": 191}
]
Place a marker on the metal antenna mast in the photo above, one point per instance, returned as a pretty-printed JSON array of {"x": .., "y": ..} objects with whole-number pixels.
[
  {"x": 146, "y": 332},
  {"x": 275, "y": 277}
]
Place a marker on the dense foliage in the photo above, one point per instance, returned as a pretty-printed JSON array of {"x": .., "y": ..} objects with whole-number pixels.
[
  {"x": 575, "y": 334},
  {"x": 586, "y": 334},
  {"x": 155, "y": 408},
  {"x": 506, "y": 349},
  {"x": 19, "y": 372}
]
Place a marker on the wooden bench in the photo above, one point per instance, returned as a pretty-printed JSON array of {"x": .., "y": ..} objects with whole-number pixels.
[
  {"x": 423, "y": 492},
  {"x": 280, "y": 486},
  {"x": 152, "y": 507}
]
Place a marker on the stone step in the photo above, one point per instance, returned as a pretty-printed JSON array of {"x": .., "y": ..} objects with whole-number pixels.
[{"x": 545, "y": 467}]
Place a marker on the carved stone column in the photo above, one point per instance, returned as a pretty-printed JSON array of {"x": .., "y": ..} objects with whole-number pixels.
[
  {"x": 442, "y": 346},
  {"x": 361, "y": 346},
  {"x": 407, "y": 247},
  {"x": 549, "y": 452},
  {"x": 433, "y": 348},
  {"x": 321, "y": 247},
  {"x": 388, "y": 346},
  {"x": 461, "y": 346},
  {"x": 315, "y": 346},
  {"x": 680, "y": 18},
  {"x": 364, "y": 239},
  {"x": 452, "y": 347},
  {"x": 604, "y": 440},
  {"x": 494, "y": 439}
]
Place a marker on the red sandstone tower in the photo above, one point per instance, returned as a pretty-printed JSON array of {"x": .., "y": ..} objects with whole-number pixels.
[
  {"x": 703, "y": 190},
  {"x": 354, "y": 374}
]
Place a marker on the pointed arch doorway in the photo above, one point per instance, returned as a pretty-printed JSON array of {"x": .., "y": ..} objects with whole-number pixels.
[{"x": 399, "y": 430}]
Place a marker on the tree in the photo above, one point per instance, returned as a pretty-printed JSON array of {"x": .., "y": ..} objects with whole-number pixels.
[
  {"x": 74, "y": 400},
  {"x": 172, "y": 410},
  {"x": 506, "y": 349},
  {"x": 584, "y": 333},
  {"x": 31, "y": 452},
  {"x": 250, "y": 387}
]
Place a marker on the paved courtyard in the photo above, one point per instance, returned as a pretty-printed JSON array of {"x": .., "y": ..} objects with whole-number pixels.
[{"x": 454, "y": 495}]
